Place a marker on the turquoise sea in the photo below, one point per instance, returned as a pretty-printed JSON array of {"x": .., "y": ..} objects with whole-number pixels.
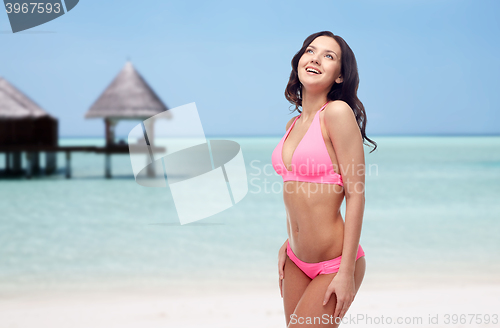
[{"x": 432, "y": 212}]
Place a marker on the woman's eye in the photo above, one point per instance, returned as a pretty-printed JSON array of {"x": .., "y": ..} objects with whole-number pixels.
[{"x": 312, "y": 51}]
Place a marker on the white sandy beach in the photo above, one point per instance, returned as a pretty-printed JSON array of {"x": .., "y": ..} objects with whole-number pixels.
[{"x": 249, "y": 306}]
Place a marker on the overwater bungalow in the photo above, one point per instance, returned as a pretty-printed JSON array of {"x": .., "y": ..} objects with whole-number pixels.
[
  {"x": 24, "y": 125},
  {"x": 128, "y": 97}
]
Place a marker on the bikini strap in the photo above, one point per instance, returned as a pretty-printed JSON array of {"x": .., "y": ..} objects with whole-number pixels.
[
  {"x": 324, "y": 105},
  {"x": 319, "y": 119}
]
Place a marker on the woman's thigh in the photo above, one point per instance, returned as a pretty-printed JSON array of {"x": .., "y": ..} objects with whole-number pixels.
[
  {"x": 294, "y": 284},
  {"x": 310, "y": 311}
]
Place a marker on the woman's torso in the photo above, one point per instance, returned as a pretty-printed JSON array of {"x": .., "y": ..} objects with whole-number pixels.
[{"x": 314, "y": 223}]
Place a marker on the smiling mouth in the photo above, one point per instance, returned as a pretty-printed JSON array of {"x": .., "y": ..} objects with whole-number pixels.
[{"x": 313, "y": 71}]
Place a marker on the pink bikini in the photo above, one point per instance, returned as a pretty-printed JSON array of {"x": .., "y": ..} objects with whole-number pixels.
[
  {"x": 324, "y": 267},
  {"x": 310, "y": 160},
  {"x": 310, "y": 163}
]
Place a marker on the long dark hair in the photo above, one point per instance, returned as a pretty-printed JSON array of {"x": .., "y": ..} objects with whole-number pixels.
[{"x": 346, "y": 91}]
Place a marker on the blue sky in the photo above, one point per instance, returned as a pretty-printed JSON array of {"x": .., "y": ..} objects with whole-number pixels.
[{"x": 426, "y": 67}]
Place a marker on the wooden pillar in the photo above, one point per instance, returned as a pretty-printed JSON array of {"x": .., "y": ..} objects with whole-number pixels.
[
  {"x": 107, "y": 131},
  {"x": 108, "y": 165},
  {"x": 16, "y": 162},
  {"x": 35, "y": 162},
  {"x": 110, "y": 142},
  {"x": 50, "y": 162},
  {"x": 28, "y": 165},
  {"x": 7, "y": 163},
  {"x": 149, "y": 126},
  {"x": 33, "y": 158},
  {"x": 110, "y": 131},
  {"x": 68, "y": 164}
]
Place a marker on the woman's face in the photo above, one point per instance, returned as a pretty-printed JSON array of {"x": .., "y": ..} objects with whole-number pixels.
[{"x": 324, "y": 55}]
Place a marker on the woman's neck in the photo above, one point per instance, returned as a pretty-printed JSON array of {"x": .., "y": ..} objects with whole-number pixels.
[{"x": 312, "y": 103}]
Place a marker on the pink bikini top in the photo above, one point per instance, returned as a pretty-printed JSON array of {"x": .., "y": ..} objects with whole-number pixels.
[{"x": 310, "y": 160}]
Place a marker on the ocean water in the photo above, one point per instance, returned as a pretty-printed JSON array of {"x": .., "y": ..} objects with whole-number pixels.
[{"x": 432, "y": 210}]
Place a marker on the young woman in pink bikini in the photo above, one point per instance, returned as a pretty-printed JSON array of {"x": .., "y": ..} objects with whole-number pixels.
[{"x": 321, "y": 160}]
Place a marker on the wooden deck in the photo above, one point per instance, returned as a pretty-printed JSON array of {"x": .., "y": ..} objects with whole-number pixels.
[{"x": 13, "y": 156}]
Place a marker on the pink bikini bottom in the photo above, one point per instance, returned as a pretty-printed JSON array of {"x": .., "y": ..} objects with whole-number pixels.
[{"x": 324, "y": 267}]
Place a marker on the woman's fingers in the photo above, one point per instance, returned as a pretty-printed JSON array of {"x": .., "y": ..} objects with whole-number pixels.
[
  {"x": 328, "y": 294},
  {"x": 281, "y": 270},
  {"x": 281, "y": 287},
  {"x": 338, "y": 309},
  {"x": 344, "y": 309},
  {"x": 281, "y": 265}
]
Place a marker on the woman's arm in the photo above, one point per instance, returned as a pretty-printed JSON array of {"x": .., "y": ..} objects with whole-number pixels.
[
  {"x": 348, "y": 144},
  {"x": 347, "y": 141}
]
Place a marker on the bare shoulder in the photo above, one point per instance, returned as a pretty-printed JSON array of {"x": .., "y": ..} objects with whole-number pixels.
[
  {"x": 290, "y": 122},
  {"x": 339, "y": 110},
  {"x": 340, "y": 120}
]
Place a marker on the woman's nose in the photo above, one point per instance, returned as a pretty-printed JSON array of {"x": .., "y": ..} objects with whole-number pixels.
[{"x": 315, "y": 59}]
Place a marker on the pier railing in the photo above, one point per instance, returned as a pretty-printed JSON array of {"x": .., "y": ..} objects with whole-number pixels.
[{"x": 13, "y": 157}]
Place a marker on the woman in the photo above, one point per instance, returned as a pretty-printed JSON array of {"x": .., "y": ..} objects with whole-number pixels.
[{"x": 321, "y": 160}]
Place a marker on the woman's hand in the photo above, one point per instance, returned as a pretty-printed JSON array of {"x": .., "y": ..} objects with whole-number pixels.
[
  {"x": 344, "y": 288},
  {"x": 281, "y": 265}
]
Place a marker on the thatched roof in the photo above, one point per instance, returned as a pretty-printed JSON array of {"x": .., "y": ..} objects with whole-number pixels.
[
  {"x": 128, "y": 96},
  {"x": 16, "y": 105}
]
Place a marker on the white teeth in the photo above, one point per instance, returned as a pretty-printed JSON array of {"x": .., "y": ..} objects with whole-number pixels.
[{"x": 312, "y": 70}]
